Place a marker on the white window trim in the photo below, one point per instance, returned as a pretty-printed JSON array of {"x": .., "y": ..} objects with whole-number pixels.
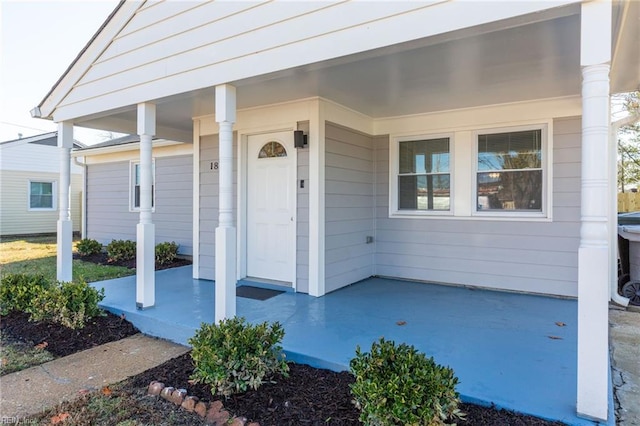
[
  {"x": 132, "y": 192},
  {"x": 394, "y": 169},
  {"x": 547, "y": 171},
  {"x": 464, "y": 152},
  {"x": 54, "y": 195}
]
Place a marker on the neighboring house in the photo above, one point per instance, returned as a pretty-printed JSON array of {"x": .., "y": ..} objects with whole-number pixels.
[
  {"x": 29, "y": 176},
  {"x": 112, "y": 202},
  {"x": 456, "y": 142}
]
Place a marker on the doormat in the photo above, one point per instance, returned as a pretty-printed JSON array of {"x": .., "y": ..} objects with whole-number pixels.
[{"x": 256, "y": 293}]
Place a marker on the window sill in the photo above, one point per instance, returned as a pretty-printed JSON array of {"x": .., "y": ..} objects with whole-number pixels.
[
  {"x": 505, "y": 217},
  {"x": 42, "y": 209},
  {"x": 421, "y": 213}
]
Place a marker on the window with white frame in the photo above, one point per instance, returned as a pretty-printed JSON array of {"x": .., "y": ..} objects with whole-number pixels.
[
  {"x": 424, "y": 177},
  {"x": 42, "y": 195},
  {"x": 510, "y": 172},
  {"x": 135, "y": 185}
]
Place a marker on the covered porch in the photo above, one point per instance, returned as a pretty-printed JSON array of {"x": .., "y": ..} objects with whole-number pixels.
[
  {"x": 516, "y": 351},
  {"x": 401, "y": 72}
]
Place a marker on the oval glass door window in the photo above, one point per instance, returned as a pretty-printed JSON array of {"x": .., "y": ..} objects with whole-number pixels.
[{"x": 272, "y": 149}]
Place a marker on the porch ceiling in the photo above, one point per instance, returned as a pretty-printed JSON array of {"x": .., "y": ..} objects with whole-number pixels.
[{"x": 471, "y": 68}]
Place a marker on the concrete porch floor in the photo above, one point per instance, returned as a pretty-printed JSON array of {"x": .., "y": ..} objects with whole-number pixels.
[{"x": 507, "y": 349}]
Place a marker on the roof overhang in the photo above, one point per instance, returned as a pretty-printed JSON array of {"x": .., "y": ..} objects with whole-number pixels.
[
  {"x": 46, "y": 139},
  {"x": 625, "y": 63},
  {"x": 128, "y": 147},
  {"x": 526, "y": 56}
]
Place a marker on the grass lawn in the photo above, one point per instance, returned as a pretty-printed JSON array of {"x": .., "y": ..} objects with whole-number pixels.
[
  {"x": 18, "y": 355},
  {"x": 37, "y": 255}
]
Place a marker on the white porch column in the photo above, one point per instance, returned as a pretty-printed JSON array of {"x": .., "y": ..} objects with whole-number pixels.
[
  {"x": 65, "y": 226},
  {"x": 225, "y": 290},
  {"x": 145, "y": 231},
  {"x": 593, "y": 255},
  {"x": 317, "y": 271}
]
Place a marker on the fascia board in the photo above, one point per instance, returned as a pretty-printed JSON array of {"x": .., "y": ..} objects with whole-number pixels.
[
  {"x": 29, "y": 139},
  {"x": 133, "y": 146},
  {"x": 126, "y": 10}
]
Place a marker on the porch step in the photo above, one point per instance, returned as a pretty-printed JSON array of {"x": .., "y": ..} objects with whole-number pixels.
[{"x": 164, "y": 328}]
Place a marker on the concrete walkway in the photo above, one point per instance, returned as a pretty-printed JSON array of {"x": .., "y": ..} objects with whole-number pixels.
[
  {"x": 625, "y": 350},
  {"x": 37, "y": 388}
]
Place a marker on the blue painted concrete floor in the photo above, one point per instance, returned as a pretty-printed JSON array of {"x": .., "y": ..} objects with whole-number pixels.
[{"x": 506, "y": 348}]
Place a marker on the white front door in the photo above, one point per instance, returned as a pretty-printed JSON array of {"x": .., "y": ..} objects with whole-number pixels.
[{"x": 271, "y": 191}]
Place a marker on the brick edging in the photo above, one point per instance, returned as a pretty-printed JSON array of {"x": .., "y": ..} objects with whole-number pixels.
[{"x": 214, "y": 412}]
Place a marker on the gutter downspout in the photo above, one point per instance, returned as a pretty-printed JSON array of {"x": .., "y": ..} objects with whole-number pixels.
[
  {"x": 613, "y": 216},
  {"x": 83, "y": 212}
]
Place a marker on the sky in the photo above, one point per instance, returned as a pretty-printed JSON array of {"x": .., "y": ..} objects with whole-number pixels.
[{"x": 38, "y": 41}]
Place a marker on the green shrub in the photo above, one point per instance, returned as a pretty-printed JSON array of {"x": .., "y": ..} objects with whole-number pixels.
[
  {"x": 71, "y": 304},
  {"x": 87, "y": 247},
  {"x": 166, "y": 253},
  {"x": 234, "y": 356},
  {"x": 121, "y": 250},
  {"x": 18, "y": 291},
  {"x": 397, "y": 385}
]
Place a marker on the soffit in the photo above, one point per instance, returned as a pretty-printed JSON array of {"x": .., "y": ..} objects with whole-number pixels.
[{"x": 534, "y": 61}]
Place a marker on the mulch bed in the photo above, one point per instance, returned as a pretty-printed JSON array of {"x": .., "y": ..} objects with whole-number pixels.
[
  {"x": 103, "y": 259},
  {"x": 62, "y": 341},
  {"x": 309, "y": 396}
]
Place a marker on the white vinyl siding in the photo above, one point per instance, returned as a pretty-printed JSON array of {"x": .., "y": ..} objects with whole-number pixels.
[
  {"x": 108, "y": 198},
  {"x": 216, "y": 37},
  {"x": 202, "y": 44},
  {"x": 15, "y": 215},
  {"x": 531, "y": 256},
  {"x": 348, "y": 206},
  {"x": 32, "y": 157},
  {"x": 21, "y": 163}
]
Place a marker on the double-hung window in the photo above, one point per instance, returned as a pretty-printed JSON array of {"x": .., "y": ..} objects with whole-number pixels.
[
  {"x": 486, "y": 173},
  {"x": 510, "y": 173},
  {"x": 135, "y": 186},
  {"x": 424, "y": 176},
  {"x": 41, "y": 195}
]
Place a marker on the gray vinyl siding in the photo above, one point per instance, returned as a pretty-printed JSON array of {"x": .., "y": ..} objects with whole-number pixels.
[
  {"x": 349, "y": 202},
  {"x": 530, "y": 256},
  {"x": 209, "y": 201},
  {"x": 173, "y": 216},
  {"x": 302, "y": 231},
  {"x": 108, "y": 215}
]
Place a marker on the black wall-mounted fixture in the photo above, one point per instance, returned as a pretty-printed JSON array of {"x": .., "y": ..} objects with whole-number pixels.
[{"x": 299, "y": 139}]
